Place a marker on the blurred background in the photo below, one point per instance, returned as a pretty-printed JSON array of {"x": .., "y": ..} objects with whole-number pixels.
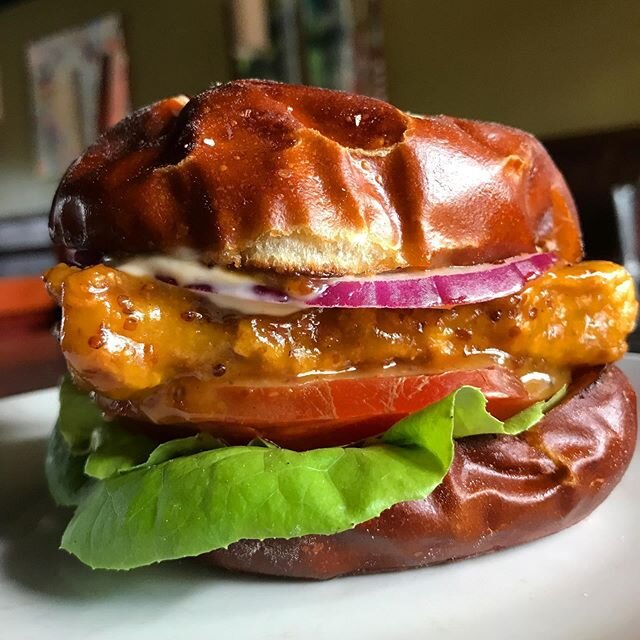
[{"x": 567, "y": 71}]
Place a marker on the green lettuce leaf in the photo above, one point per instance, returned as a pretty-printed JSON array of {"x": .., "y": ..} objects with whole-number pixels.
[
  {"x": 84, "y": 446},
  {"x": 79, "y": 416},
  {"x": 170, "y": 507},
  {"x": 114, "y": 449},
  {"x": 103, "y": 447},
  {"x": 64, "y": 470},
  {"x": 182, "y": 447}
]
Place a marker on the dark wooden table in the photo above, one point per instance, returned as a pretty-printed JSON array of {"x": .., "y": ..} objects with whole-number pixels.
[{"x": 30, "y": 356}]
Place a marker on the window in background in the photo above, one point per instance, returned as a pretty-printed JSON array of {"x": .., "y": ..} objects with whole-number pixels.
[
  {"x": 330, "y": 43},
  {"x": 265, "y": 39}
]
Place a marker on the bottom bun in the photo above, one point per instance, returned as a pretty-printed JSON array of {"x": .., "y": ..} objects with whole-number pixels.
[{"x": 500, "y": 492}]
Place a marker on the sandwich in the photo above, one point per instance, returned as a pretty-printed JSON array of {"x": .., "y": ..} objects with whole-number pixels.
[{"x": 309, "y": 335}]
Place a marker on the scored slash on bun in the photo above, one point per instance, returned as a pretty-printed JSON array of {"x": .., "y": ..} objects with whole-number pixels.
[
  {"x": 500, "y": 492},
  {"x": 296, "y": 179}
]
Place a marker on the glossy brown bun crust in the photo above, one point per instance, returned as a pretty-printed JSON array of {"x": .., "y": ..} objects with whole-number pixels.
[
  {"x": 298, "y": 179},
  {"x": 500, "y": 492}
]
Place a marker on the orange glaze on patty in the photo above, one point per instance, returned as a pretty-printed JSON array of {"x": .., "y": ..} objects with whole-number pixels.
[{"x": 124, "y": 336}]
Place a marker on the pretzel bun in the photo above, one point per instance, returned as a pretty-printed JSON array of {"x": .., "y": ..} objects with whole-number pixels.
[
  {"x": 500, "y": 492},
  {"x": 297, "y": 179}
]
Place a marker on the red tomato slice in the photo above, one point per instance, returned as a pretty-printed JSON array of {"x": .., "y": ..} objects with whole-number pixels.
[{"x": 325, "y": 412}]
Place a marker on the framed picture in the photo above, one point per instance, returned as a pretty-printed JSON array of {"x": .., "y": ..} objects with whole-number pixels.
[{"x": 80, "y": 86}]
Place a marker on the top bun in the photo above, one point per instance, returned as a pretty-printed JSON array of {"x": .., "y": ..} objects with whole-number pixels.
[{"x": 296, "y": 179}]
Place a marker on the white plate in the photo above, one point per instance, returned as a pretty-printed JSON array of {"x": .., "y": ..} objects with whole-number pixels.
[{"x": 581, "y": 584}]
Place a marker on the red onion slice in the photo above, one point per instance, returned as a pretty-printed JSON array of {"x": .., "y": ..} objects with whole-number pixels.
[{"x": 434, "y": 289}]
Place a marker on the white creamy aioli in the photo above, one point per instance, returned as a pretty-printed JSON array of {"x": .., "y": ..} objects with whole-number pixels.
[{"x": 232, "y": 290}]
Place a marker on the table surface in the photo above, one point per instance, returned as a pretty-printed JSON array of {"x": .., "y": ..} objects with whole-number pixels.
[{"x": 30, "y": 356}]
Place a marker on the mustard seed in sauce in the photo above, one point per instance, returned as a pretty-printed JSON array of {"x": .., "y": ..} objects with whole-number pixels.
[
  {"x": 130, "y": 323},
  {"x": 125, "y": 304},
  {"x": 219, "y": 370},
  {"x": 191, "y": 315},
  {"x": 96, "y": 341}
]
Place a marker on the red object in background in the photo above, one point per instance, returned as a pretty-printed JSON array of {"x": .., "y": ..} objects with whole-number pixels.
[
  {"x": 24, "y": 297},
  {"x": 30, "y": 356}
]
